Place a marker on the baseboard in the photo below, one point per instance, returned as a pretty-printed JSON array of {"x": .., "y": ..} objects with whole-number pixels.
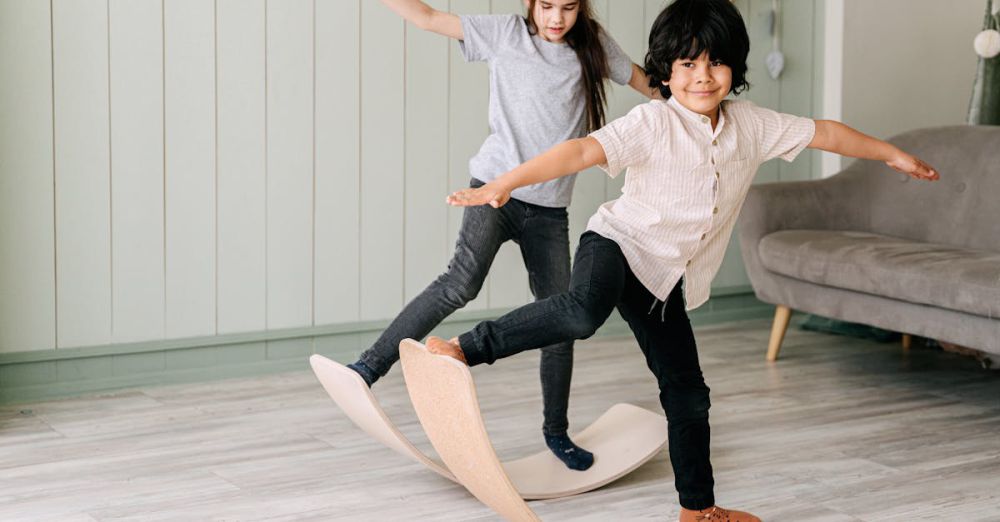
[{"x": 49, "y": 374}]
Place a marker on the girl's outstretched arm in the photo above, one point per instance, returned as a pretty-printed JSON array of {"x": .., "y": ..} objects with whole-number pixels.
[
  {"x": 565, "y": 158},
  {"x": 833, "y": 136},
  {"x": 427, "y": 18},
  {"x": 640, "y": 83}
]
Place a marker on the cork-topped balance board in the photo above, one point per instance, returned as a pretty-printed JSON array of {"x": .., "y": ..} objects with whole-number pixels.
[{"x": 444, "y": 396}]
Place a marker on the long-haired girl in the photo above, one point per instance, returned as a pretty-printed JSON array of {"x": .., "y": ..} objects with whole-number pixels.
[{"x": 547, "y": 75}]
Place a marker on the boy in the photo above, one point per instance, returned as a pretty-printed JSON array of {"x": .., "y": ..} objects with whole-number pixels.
[{"x": 653, "y": 252}]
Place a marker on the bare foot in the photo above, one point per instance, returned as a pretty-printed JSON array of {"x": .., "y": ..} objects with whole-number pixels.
[
  {"x": 716, "y": 514},
  {"x": 439, "y": 346}
]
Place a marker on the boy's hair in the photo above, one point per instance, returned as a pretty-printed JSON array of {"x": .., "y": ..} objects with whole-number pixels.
[
  {"x": 686, "y": 28},
  {"x": 585, "y": 39}
]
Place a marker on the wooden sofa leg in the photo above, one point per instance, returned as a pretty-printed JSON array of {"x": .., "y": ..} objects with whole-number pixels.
[
  {"x": 907, "y": 342},
  {"x": 781, "y": 316}
]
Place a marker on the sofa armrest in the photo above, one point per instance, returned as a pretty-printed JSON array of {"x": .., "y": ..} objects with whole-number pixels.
[{"x": 836, "y": 203}]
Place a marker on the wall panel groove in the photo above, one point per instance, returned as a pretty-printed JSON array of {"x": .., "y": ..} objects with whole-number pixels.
[{"x": 187, "y": 169}]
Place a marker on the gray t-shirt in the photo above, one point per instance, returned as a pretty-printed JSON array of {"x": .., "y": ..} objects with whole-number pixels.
[{"x": 536, "y": 98}]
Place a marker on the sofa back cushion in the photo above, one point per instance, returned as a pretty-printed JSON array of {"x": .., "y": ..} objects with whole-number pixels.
[{"x": 960, "y": 209}]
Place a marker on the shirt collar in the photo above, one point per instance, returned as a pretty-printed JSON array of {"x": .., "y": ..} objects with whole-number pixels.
[{"x": 700, "y": 119}]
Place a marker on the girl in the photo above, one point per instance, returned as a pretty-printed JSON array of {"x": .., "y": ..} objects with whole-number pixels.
[
  {"x": 654, "y": 251},
  {"x": 547, "y": 74}
]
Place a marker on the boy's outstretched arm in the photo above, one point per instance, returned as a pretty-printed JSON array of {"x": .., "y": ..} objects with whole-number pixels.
[
  {"x": 833, "y": 136},
  {"x": 566, "y": 158},
  {"x": 427, "y": 18}
]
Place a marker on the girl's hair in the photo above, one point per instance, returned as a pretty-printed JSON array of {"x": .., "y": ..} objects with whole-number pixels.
[
  {"x": 585, "y": 39},
  {"x": 687, "y": 28}
]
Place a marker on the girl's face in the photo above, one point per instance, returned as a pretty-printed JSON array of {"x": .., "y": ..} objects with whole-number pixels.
[
  {"x": 700, "y": 84},
  {"x": 554, "y": 18}
]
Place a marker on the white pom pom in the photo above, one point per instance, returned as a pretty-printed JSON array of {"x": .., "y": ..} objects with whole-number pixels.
[
  {"x": 775, "y": 62},
  {"x": 987, "y": 43}
]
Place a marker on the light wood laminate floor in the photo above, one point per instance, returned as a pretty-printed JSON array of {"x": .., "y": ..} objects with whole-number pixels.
[{"x": 838, "y": 430}]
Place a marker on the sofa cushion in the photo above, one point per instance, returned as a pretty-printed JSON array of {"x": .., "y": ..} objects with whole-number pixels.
[{"x": 923, "y": 273}]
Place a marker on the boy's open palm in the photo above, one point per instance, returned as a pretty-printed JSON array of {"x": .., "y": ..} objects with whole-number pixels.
[
  {"x": 488, "y": 194},
  {"x": 913, "y": 166}
]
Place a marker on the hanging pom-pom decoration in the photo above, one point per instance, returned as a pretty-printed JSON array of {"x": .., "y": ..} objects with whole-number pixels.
[
  {"x": 775, "y": 60},
  {"x": 987, "y": 43}
]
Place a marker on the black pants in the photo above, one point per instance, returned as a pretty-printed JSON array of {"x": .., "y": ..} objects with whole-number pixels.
[
  {"x": 600, "y": 282},
  {"x": 543, "y": 235}
]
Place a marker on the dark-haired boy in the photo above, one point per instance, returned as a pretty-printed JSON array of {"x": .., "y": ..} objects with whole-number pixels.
[{"x": 652, "y": 253}]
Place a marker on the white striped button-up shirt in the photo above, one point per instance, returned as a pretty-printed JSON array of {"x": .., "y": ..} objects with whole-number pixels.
[{"x": 685, "y": 185}]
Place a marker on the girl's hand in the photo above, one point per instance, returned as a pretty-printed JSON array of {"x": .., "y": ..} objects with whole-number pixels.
[
  {"x": 913, "y": 166},
  {"x": 489, "y": 194}
]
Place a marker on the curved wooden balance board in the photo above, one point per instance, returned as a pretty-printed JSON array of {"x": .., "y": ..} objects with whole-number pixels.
[
  {"x": 444, "y": 397},
  {"x": 356, "y": 400},
  {"x": 622, "y": 439}
]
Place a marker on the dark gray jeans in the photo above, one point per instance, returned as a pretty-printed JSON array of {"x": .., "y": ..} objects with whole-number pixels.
[
  {"x": 602, "y": 281},
  {"x": 543, "y": 235}
]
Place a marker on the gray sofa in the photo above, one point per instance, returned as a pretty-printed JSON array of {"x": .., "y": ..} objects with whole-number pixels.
[{"x": 873, "y": 246}]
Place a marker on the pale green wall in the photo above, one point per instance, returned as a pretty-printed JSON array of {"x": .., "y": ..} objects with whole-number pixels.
[
  {"x": 908, "y": 63},
  {"x": 197, "y": 170}
]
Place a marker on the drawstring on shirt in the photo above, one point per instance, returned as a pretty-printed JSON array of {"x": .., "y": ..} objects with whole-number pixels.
[{"x": 663, "y": 310}]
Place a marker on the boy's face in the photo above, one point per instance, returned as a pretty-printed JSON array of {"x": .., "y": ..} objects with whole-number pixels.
[
  {"x": 700, "y": 84},
  {"x": 555, "y": 18}
]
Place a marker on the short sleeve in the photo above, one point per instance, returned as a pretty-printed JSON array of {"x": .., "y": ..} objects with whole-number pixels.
[
  {"x": 483, "y": 35},
  {"x": 781, "y": 135},
  {"x": 629, "y": 140},
  {"x": 619, "y": 64}
]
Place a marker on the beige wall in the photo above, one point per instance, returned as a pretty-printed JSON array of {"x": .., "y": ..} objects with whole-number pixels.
[{"x": 908, "y": 63}]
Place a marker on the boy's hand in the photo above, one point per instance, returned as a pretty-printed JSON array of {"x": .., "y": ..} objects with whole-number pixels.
[
  {"x": 491, "y": 194},
  {"x": 913, "y": 166}
]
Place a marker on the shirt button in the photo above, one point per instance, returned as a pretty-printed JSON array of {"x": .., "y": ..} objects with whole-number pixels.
[
  {"x": 703, "y": 236},
  {"x": 716, "y": 174},
  {"x": 713, "y": 161},
  {"x": 715, "y": 210},
  {"x": 704, "y": 119},
  {"x": 715, "y": 142},
  {"x": 688, "y": 263}
]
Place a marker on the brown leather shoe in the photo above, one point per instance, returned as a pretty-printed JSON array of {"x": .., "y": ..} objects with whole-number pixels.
[{"x": 716, "y": 514}]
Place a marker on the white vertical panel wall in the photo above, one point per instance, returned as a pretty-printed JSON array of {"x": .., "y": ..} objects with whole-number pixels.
[
  {"x": 176, "y": 168},
  {"x": 137, "y": 256},
  {"x": 27, "y": 245},
  {"x": 289, "y": 163},
  {"x": 382, "y": 109},
  {"x": 189, "y": 112},
  {"x": 338, "y": 161},
  {"x": 427, "y": 242},
  {"x": 80, "y": 56},
  {"x": 241, "y": 164}
]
